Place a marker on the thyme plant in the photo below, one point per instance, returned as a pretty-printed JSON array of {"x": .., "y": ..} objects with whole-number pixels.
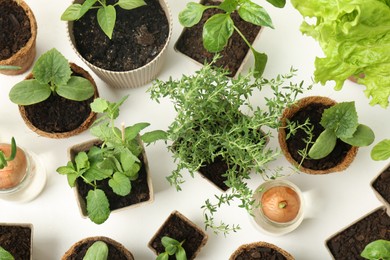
[{"x": 210, "y": 124}]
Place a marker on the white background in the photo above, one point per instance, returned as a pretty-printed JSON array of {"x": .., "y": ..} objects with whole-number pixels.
[{"x": 334, "y": 200}]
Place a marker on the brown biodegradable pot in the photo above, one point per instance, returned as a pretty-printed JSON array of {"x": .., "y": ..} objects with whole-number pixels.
[
  {"x": 53, "y": 132},
  {"x": 178, "y": 227},
  {"x": 260, "y": 250},
  {"x": 25, "y": 56},
  {"x": 116, "y": 251},
  {"x": 381, "y": 186},
  {"x": 17, "y": 239},
  {"x": 343, "y": 153},
  {"x": 142, "y": 188}
]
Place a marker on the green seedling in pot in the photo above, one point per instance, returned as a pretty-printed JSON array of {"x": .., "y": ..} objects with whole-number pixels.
[
  {"x": 97, "y": 251},
  {"x": 106, "y": 13},
  {"x": 52, "y": 76},
  {"x": 5, "y": 255},
  {"x": 3, "y": 159},
  {"x": 172, "y": 247},
  {"x": 377, "y": 250},
  {"x": 219, "y": 27},
  {"x": 116, "y": 159},
  {"x": 340, "y": 122}
]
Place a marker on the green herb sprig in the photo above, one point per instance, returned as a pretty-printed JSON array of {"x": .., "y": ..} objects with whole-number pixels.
[{"x": 172, "y": 247}]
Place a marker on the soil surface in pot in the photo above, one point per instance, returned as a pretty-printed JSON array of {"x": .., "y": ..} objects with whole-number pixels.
[
  {"x": 15, "y": 28},
  {"x": 16, "y": 240},
  {"x": 349, "y": 243},
  {"x": 139, "y": 36},
  {"x": 177, "y": 228},
  {"x": 190, "y": 41},
  {"x": 260, "y": 253},
  {"x": 139, "y": 190},
  {"x": 382, "y": 184},
  {"x": 79, "y": 251},
  {"x": 214, "y": 172},
  {"x": 296, "y": 142}
]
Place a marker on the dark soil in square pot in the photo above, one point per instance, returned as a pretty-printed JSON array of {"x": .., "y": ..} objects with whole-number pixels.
[
  {"x": 350, "y": 241},
  {"x": 17, "y": 239},
  {"x": 381, "y": 187},
  {"x": 214, "y": 172},
  {"x": 179, "y": 227},
  {"x": 235, "y": 54}
]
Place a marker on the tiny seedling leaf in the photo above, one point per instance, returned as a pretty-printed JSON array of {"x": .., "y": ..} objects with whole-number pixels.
[
  {"x": 166, "y": 241},
  {"x": 277, "y": 3},
  {"x": 324, "y": 145},
  {"x": 127, "y": 160},
  {"x": 341, "y": 118},
  {"x": 381, "y": 150},
  {"x": 5, "y": 255},
  {"x": 191, "y": 14},
  {"x": 120, "y": 184},
  {"x": 28, "y": 92},
  {"x": 97, "y": 251},
  {"x": 260, "y": 62},
  {"x": 216, "y": 32},
  {"x": 81, "y": 161},
  {"x": 98, "y": 207},
  {"x": 132, "y": 131},
  {"x": 130, "y": 4},
  {"x": 255, "y": 14},
  {"x": 228, "y": 5},
  {"x": 106, "y": 16},
  {"x": 181, "y": 253},
  {"x": 378, "y": 249},
  {"x": 153, "y": 136},
  {"x": 99, "y": 105},
  {"x": 363, "y": 136},
  {"x": 77, "y": 88},
  {"x": 73, "y": 12},
  {"x": 163, "y": 256}
]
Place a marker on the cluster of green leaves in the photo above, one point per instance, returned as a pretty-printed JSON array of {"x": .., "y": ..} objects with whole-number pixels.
[
  {"x": 116, "y": 159},
  {"x": 377, "y": 250},
  {"x": 340, "y": 121},
  {"x": 5, "y": 255},
  {"x": 106, "y": 13},
  {"x": 4, "y": 159},
  {"x": 219, "y": 28},
  {"x": 97, "y": 251},
  {"x": 52, "y": 75},
  {"x": 210, "y": 124},
  {"x": 172, "y": 247}
]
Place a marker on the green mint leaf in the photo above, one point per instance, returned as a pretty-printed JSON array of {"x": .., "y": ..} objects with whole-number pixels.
[
  {"x": 5, "y": 255},
  {"x": 163, "y": 256},
  {"x": 127, "y": 160},
  {"x": 97, "y": 251},
  {"x": 120, "y": 184},
  {"x": 378, "y": 249},
  {"x": 96, "y": 173},
  {"x": 228, "y": 5},
  {"x": 153, "y": 136},
  {"x": 99, "y": 105},
  {"x": 341, "y": 118},
  {"x": 191, "y": 14},
  {"x": 260, "y": 63},
  {"x": 65, "y": 170},
  {"x": 181, "y": 254},
  {"x": 131, "y": 132},
  {"x": 98, "y": 207},
  {"x": 381, "y": 151},
  {"x": 363, "y": 136},
  {"x": 77, "y": 89},
  {"x": 52, "y": 68},
  {"x": 28, "y": 92},
  {"x": 277, "y": 3},
  {"x": 216, "y": 32},
  {"x": 101, "y": 131},
  {"x": 73, "y": 12},
  {"x": 130, "y": 4},
  {"x": 255, "y": 14},
  {"x": 106, "y": 17},
  {"x": 81, "y": 161},
  {"x": 324, "y": 145}
]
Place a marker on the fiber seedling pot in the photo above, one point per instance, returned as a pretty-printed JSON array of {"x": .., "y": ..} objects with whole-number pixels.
[
  {"x": 260, "y": 250},
  {"x": 17, "y": 239},
  {"x": 381, "y": 186}
]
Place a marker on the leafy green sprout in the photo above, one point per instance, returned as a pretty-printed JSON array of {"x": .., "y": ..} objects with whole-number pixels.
[
  {"x": 377, "y": 250},
  {"x": 3, "y": 159},
  {"x": 172, "y": 247},
  {"x": 5, "y": 255},
  {"x": 106, "y": 13},
  {"x": 52, "y": 76},
  {"x": 218, "y": 29},
  {"x": 97, "y": 251},
  {"x": 116, "y": 159}
]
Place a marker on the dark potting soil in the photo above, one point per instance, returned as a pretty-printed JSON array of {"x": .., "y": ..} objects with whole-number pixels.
[
  {"x": 177, "y": 228},
  {"x": 260, "y": 253},
  {"x": 15, "y": 29},
  {"x": 16, "y": 240},
  {"x": 215, "y": 172},
  {"x": 139, "y": 36},
  {"x": 296, "y": 142},
  {"x": 190, "y": 41},
  {"x": 349, "y": 243},
  {"x": 382, "y": 184},
  {"x": 79, "y": 251},
  {"x": 139, "y": 190}
]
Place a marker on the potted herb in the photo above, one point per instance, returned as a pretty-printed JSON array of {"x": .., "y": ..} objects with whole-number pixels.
[
  {"x": 378, "y": 249},
  {"x": 22, "y": 177},
  {"x": 178, "y": 237},
  {"x": 16, "y": 239},
  {"x": 212, "y": 135},
  {"x": 54, "y": 99},
  {"x": 260, "y": 250},
  {"x": 19, "y": 29},
  {"x": 130, "y": 38},
  {"x": 354, "y": 39},
  {"x": 97, "y": 248},
  {"x": 229, "y": 27},
  {"x": 328, "y": 137},
  {"x": 110, "y": 172}
]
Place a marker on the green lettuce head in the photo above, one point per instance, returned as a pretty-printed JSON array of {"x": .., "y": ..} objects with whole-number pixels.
[{"x": 355, "y": 38}]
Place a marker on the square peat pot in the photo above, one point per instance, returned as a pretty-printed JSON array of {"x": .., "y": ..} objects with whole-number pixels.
[
  {"x": 142, "y": 188},
  {"x": 17, "y": 239},
  {"x": 349, "y": 242},
  {"x": 381, "y": 187},
  {"x": 178, "y": 227}
]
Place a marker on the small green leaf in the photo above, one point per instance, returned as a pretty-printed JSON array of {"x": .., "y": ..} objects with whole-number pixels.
[
  {"x": 378, "y": 249},
  {"x": 71, "y": 178},
  {"x": 78, "y": 89},
  {"x": 28, "y": 92},
  {"x": 341, "y": 118},
  {"x": 72, "y": 13},
  {"x": 216, "y": 32},
  {"x": 277, "y": 3},
  {"x": 363, "y": 136},
  {"x": 131, "y": 132},
  {"x": 106, "y": 19},
  {"x": 87, "y": 5},
  {"x": 97, "y": 251},
  {"x": 191, "y": 14},
  {"x": 163, "y": 256},
  {"x": 127, "y": 160},
  {"x": 5, "y": 255},
  {"x": 181, "y": 254},
  {"x": 260, "y": 63},
  {"x": 171, "y": 249},
  {"x": 166, "y": 241},
  {"x": 3, "y": 161},
  {"x": 255, "y": 14},
  {"x": 98, "y": 207},
  {"x": 96, "y": 173},
  {"x": 14, "y": 149},
  {"x": 99, "y": 105},
  {"x": 228, "y": 5},
  {"x": 324, "y": 145},
  {"x": 130, "y": 4},
  {"x": 381, "y": 151},
  {"x": 65, "y": 170},
  {"x": 81, "y": 161},
  {"x": 153, "y": 136},
  {"x": 120, "y": 184}
]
